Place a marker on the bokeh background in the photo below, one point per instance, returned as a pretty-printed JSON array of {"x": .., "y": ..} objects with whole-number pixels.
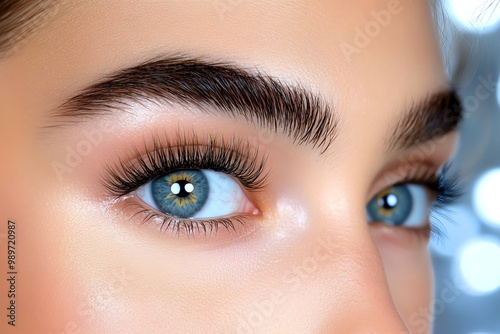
[{"x": 467, "y": 260}]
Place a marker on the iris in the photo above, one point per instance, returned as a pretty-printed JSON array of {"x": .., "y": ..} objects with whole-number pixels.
[
  {"x": 182, "y": 193},
  {"x": 392, "y": 206}
]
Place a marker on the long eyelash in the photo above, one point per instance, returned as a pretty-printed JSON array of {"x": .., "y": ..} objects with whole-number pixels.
[
  {"x": 448, "y": 189},
  {"x": 233, "y": 157}
]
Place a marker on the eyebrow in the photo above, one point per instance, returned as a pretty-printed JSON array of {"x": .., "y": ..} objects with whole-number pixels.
[
  {"x": 265, "y": 101},
  {"x": 213, "y": 87},
  {"x": 19, "y": 20},
  {"x": 429, "y": 119}
]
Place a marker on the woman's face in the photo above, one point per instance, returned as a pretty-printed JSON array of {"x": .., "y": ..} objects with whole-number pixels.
[{"x": 304, "y": 111}]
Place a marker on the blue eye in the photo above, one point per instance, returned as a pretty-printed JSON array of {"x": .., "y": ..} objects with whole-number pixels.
[
  {"x": 405, "y": 205},
  {"x": 181, "y": 194},
  {"x": 195, "y": 194}
]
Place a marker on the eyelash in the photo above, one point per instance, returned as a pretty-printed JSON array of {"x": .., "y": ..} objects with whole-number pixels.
[
  {"x": 446, "y": 186},
  {"x": 240, "y": 160},
  {"x": 234, "y": 157}
]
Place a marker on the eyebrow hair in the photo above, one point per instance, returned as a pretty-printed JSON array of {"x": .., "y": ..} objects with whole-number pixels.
[
  {"x": 262, "y": 100},
  {"x": 20, "y": 19},
  {"x": 213, "y": 87},
  {"x": 431, "y": 118}
]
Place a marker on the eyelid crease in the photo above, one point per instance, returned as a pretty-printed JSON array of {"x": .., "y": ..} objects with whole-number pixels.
[
  {"x": 442, "y": 181},
  {"x": 445, "y": 183},
  {"x": 234, "y": 157}
]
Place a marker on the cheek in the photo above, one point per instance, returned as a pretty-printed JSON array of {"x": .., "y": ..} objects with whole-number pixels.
[{"x": 409, "y": 275}]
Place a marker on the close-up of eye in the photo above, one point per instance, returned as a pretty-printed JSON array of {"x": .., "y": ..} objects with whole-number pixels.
[
  {"x": 193, "y": 185},
  {"x": 412, "y": 203},
  {"x": 405, "y": 205},
  {"x": 199, "y": 194},
  {"x": 249, "y": 167}
]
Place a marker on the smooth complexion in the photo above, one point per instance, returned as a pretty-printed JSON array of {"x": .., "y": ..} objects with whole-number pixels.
[{"x": 308, "y": 262}]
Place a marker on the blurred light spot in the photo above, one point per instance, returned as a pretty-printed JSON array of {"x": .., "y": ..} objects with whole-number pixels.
[
  {"x": 458, "y": 225},
  {"x": 486, "y": 197},
  {"x": 476, "y": 15},
  {"x": 478, "y": 266}
]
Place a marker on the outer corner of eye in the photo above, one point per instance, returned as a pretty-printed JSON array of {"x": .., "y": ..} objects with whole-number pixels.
[
  {"x": 225, "y": 197},
  {"x": 250, "y": 208}
]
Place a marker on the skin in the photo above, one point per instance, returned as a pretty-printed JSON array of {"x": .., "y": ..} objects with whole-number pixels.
[{"x": 308, "y": 263}]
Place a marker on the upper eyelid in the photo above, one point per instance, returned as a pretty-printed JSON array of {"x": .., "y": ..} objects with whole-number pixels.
[
  {"x": 443, "y": 181},
  {"x": 419, "y": 173},
  {"x": 427, "y": 158},
  {"x": 248, "y": 162}
]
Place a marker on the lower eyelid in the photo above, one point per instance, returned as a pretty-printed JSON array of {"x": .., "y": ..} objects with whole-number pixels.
[
  {"x": 140, "y": 211},
  {"x": 198, "y": 232},
  {"x": 400, "y": 236}
]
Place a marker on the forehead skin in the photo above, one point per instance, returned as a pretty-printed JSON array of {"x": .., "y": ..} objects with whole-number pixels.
[{"x": 298, "y": 41}]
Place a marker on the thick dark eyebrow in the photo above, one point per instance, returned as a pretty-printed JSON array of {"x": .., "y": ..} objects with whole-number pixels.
[
  {"x": 213, "y": 87},
  {"x": 429, "y": 119},
  {"x": 220, "y": 87}
]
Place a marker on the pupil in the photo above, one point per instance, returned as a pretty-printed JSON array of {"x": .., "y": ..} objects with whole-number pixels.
[
  {"x": 389, "y": 201},
  {"x": 182, "y": 188}
]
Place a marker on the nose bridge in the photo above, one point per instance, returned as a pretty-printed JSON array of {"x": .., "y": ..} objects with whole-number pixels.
[
  {"x": 332, "y": 287},
  {"x": 354, "y": 282},
  {"x": 365, "y": 301},
  {"x": 331, "y": 276}
]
